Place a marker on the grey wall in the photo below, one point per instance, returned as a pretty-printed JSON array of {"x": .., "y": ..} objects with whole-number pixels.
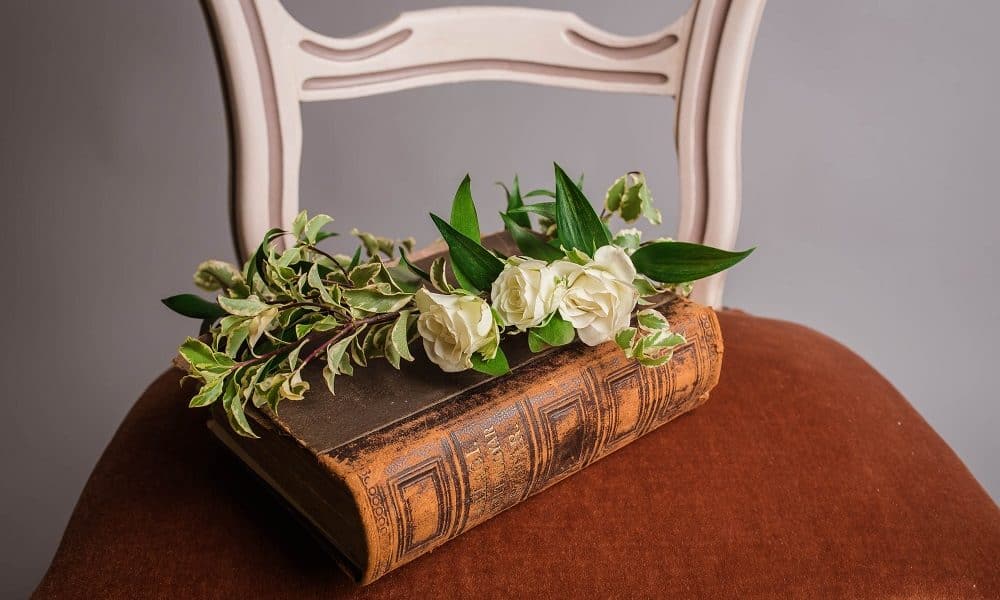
[{"x": 870, "y": 187}]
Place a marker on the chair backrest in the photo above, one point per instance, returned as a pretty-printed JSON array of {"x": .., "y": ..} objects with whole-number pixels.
[{"x": 271, "y": 63}]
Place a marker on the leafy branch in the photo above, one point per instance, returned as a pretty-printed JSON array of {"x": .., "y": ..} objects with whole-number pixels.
[{"x": 286, "y": 308}]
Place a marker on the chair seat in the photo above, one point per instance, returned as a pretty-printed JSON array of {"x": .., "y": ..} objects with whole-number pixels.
[{"x": 806, "y": 474}]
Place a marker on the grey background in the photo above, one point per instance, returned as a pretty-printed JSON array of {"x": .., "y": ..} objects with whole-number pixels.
[{"x": 870, "y": 169}]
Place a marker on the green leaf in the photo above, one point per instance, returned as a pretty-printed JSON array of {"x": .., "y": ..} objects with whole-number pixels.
[
  {"x": 355, "y": 259},
  {"x": 681, "y": 262},
  {"x": 463, "y": 211},
  {"x": 399, "y": 336},
  {"x": 628, "y": 240},
  {"x": 495, "y": 366},
  {"x": 438, "y": 276},
  {"x": 644, "y": 287},
  {"x": 543, "y": 209},
  {"x": 529, "y": 243},
  {"x": 233, "y": 404},
  {"x": 315, "y": 225},
  {"x": 361, "y": 275},
  {"x": 577, "y": 224},
  {"x": 631, "y": 203},
  {"x": 374, "y": 300},
  {"x": 652, "y": 320},
  {"x": 192, "y": 306},
  {"x": 557, "y": 332},
  {"x": 649, "y": 211},
  {"x": 624, "y": 339},
  {"x": 535, "y": 343},
  {"x": 477, "y": 264},
  {"x": 208, "y": 393},
  {"x": 413, "y": 268},
  {"x": 201, "y": 356},
  {"x": 299, "y": 223},
  {"x": 314, "y": 279},
  {"x": 236, "y": 338},
  {"x": 212, "y": 275},
  {"x": 335, "y": 358},
  {"x": 534, "y": 193},
  {"x": 514, "y": 202},
  {"x": 244, "y": 307},
  {"x": 374, "y": 342},
  {"x": 255, "y": 266},
  {"x": 293, "y": 356},
  {"x": 613, "y": 197}
]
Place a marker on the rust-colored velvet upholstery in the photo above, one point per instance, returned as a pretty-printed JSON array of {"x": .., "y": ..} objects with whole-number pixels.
[{"x": 805, "y": 475}]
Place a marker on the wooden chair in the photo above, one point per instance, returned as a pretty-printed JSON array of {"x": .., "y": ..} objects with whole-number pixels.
[{"x": 806, "y": 474}]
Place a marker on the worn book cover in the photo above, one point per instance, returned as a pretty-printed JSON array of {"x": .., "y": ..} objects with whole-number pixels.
[{"x": 398, "y": 462}]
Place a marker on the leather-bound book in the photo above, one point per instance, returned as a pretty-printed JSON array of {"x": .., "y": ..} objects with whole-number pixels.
[{"x": 399, "y": 462}]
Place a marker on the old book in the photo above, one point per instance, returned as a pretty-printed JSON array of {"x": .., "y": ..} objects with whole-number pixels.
[{"x": 399, "y": 462}]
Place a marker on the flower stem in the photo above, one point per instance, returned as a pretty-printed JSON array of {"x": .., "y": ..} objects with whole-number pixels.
[{"x": 347, "y": 329}]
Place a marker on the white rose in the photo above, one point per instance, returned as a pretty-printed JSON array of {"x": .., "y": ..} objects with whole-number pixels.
[
  {"x": 455, "y": 327},
  {"x": 599, "y": 297},
  {"x": 525, "y": 293}
]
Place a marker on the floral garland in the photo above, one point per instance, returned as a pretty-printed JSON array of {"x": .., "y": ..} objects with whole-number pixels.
[{"x": 287, "y": 308}]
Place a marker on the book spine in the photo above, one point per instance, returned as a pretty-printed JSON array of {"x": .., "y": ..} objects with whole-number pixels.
[{"x": 425, "y": 480}]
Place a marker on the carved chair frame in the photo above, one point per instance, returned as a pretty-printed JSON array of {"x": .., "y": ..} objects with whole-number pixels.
[{"x": 271, "y": 63}]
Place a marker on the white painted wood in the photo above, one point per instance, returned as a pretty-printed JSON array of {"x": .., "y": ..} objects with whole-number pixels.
[
  {"x": 724, "y": 137},
  {"x": 273, "y": 63}
]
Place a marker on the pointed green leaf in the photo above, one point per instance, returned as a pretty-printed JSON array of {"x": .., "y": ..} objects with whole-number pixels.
[
  {"x": 438, "y": 275},
  {"x": 681, "y": 262},
  {"x": 495, "y": 366},
  {"x": 463, "y": 211},
  {"x": 399, "y": 336},
  {"x": 235, "y": 339},
  {"x": 212, "y": 275},
  {"x": 314, "y": 279},
  {"x": 415, "y": 269},
  {"x": 299, "y": 223},
  {"x": 514, "y": 202},
  {"x": 577, "y": 224},
  {"x": 372, "y": 299},
  {"x": 361, "y": 275},
  {"x": 543, "y": 209},
  {"x": 208, "y": 393},
  {"x": 255, "y": 266},
  {"x": 631, "y": 203},
  {"x": 315, "y": 225},
  {"x": 293, "y": 356},
  {"x": 232, "y": 402},
  {"x": 535, "y": 343},
  {"x": 335, "y": 358},
  {"x": 244, "y": 307},
  {"x": 613, "y": 197},
  {"x": 192, "y": 306},
  {"x": 624, "y": 339},
  {"x": 201, "y": 356},
  {"x": 529, "y": 243},
  {"x": 652, "y": 320},
  {"x": 476, "y": 264},
  {"x": 557, "y": 332},
  {"x": 355, "y": 259}
]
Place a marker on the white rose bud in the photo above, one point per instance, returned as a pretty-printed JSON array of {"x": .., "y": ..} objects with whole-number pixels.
[
  {"x": 454, "y": 327},
  {"x": 599, "y": 297},
  {"x": 525, "y": 293}
]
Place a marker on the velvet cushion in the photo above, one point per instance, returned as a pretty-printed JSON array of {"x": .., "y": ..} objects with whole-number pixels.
[{"x": 806, "y": 474}]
